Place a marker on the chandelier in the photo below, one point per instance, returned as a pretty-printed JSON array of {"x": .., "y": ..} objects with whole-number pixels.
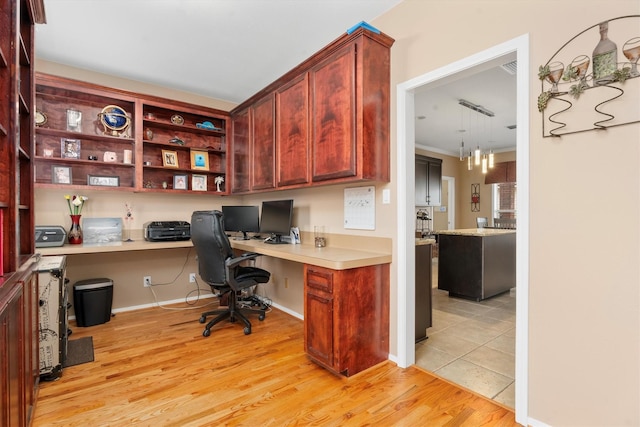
[{"x": 476, "y": 157}]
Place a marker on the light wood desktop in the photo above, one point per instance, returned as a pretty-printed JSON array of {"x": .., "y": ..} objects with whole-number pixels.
[{"x": 336, "y": 258}]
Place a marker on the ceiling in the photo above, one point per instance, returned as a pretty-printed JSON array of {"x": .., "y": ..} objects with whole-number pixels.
[{"x": 231, "y": 49}]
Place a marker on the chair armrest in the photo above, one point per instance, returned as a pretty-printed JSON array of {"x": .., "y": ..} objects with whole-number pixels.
[{"x": 232, "y": 262}]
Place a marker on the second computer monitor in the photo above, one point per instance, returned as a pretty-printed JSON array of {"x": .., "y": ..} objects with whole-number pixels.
[
  {"x": 243, "y": 219},
  {"x": 276, "y": 219}
]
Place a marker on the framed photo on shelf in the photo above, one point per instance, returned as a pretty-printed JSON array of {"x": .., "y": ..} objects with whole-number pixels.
[
  {"x": 199, "y": 182},
  {"x": 169, "y": 159},
  {"x": 179, "y": 182},
  {"x": 200, "y": 160},
  {"x": 74, "y": 120},
  {"x": 70, "y": 148},
  {"x": 61, "y": 175},
  {"x": 103, "y": 181}
]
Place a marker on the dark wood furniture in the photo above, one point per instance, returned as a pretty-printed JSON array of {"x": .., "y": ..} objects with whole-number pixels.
[
  {"x": 19, "y": 370},
  {"x": 428, "y": 181},
  {"x": 157, "y": 126},
  {"x": 423, "y": 290},
  {"x": 331, "y": 119},
  {"x": 477, "y": 263},
  {"x": 346, "y": 327}
]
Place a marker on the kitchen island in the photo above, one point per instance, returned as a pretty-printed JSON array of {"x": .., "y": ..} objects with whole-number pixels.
[{"x": 477, "y": 263}]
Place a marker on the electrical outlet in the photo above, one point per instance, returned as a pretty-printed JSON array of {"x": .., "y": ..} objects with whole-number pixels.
[
  {"x": 286, "y": 282},
  {"x": 146, "y": 281},
  {"x": 192, "y": 277}
]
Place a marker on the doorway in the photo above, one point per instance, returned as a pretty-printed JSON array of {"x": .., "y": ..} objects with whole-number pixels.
[{"x": 405, "y": 272}]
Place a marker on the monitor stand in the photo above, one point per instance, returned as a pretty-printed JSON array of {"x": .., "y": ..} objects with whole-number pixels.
[
  {"x": 275, "y": 239},
  {"x": 244, "y": 236}
]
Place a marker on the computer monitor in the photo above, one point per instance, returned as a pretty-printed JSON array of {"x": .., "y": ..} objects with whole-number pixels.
[
  {"x": 276, "y": 219},
  {"x": 243, "y": 219}
]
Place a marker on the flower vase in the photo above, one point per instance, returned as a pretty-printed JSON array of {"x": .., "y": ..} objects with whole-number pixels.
[{"x": 75, "y": 232}]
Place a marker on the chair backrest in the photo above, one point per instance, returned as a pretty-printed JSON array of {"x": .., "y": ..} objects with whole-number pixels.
[
  {"x": 509, "y": 223},
  {"x": 482, "y": 222},
  {"x": 212, "y": 246}
]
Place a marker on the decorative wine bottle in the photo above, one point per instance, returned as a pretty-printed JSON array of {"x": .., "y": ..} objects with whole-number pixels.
[{"x": 605, "y": 57}]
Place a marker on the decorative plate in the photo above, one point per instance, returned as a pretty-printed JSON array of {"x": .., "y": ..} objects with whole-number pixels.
[
  {"x": 41, "y": 118},
  {"x": 207, "y": 125},
  {"x": 177, "y": 119}
]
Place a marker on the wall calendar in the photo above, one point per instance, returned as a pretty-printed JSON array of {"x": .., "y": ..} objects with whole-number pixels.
[{"x": 360, "y": 208}]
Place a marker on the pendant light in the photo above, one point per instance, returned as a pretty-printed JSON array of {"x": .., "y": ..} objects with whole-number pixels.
[
  {"x": 491, "y": 159},
  {"x": 469, "y": 165},
  {"x": 484, "y": 164}
]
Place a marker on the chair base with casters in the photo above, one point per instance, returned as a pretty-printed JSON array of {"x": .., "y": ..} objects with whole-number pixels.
[{"x": 233, "y": 313}]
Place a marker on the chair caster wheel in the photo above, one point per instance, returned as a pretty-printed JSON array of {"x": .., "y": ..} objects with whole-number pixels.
[
  {"x": 206, "y": 333},
  {"x": 202, "y": 319},
  {"x": 247, "y": 331},
  {"x": 261, "y": 317}
]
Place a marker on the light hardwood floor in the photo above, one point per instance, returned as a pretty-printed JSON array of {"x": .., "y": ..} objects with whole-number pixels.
[{"x": 153, "y": 368}]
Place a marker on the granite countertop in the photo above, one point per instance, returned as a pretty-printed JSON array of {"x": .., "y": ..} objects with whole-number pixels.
[
  {"x": 481, "y": 232},
  {"x": 425, "y": 241}
]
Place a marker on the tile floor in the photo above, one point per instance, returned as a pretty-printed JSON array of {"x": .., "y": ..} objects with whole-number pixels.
[{"x": 472, "y": 343}]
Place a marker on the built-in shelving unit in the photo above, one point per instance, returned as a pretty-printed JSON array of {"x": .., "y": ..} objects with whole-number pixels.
[{"x": 164, "y": 146}]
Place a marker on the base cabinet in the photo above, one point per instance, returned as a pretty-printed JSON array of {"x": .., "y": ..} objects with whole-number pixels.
[
  {"x": 19, "y": 370},
  {"x": 346, "y": 327}
]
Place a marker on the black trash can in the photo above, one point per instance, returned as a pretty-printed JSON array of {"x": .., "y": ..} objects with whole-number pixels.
[{"x": 92, "y": 301}]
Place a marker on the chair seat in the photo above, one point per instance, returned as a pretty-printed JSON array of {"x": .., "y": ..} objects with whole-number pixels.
[{"x": 252, "y": 273}]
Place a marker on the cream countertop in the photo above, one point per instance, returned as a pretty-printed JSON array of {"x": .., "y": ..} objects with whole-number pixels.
[
  {"x": 330, "y": 257},
  {"x": 479, "y": 232}
]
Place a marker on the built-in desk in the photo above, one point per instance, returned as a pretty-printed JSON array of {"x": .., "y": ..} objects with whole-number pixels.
[
  {"x": 346, "y": 296},
  {"x": 329, "y": 257}
]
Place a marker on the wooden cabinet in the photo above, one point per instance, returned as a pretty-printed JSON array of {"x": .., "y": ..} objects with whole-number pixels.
[
  {"x": 194, "y": 137},
  {"x": 17, "y": 19},
  {"x": 159, "y": 143},
  {"x": 350, "y": 110},
  {"x": 263, "y": 147},
  {"x": 332, "y": 115},
  {"x": 71, "y": 143},
  {"x": 254, "y": 147},
  {"x": 428, "y": 181},
  {"x": 19, "y": 367},
  {"x": 241, "y": 158},
  {"x": 292, "y": 132},
  {"x": 19, "y": 370},
  {"x": 346, "y": 317}
]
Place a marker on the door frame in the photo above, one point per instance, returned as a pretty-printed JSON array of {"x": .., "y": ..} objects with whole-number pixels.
[{"x": 405, "y": 172}]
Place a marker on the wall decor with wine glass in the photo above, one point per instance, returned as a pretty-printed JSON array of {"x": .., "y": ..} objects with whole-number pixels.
[{"x": 584, "y": 82}]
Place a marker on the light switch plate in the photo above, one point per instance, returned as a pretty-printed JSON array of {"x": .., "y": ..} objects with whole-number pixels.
[{"x": 386, "y": 196}]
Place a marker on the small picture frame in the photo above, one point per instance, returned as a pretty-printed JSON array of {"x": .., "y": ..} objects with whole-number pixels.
[
  {"x": 169, "y": 159},
  {"x": 74, "y": 120},
  {"x": 180, "y": 182},
  {"x": 70, "y": 148},
  {"x": 103, "y": 181},
  {"x": 61, "y": 175},
  {"x": 199, "y": 182},
  {"x": 200, "y": 160}
]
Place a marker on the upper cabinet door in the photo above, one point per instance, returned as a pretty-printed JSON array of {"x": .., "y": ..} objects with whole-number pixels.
[
  {"x": 292, "y": 130},
  {"x": 241, "y": 146},
  {"x": 263, "y": 147},
  {"x": 333, "y": 109}
]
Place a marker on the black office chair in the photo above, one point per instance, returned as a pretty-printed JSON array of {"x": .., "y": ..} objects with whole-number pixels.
[{"x": 220, "y": 270}]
